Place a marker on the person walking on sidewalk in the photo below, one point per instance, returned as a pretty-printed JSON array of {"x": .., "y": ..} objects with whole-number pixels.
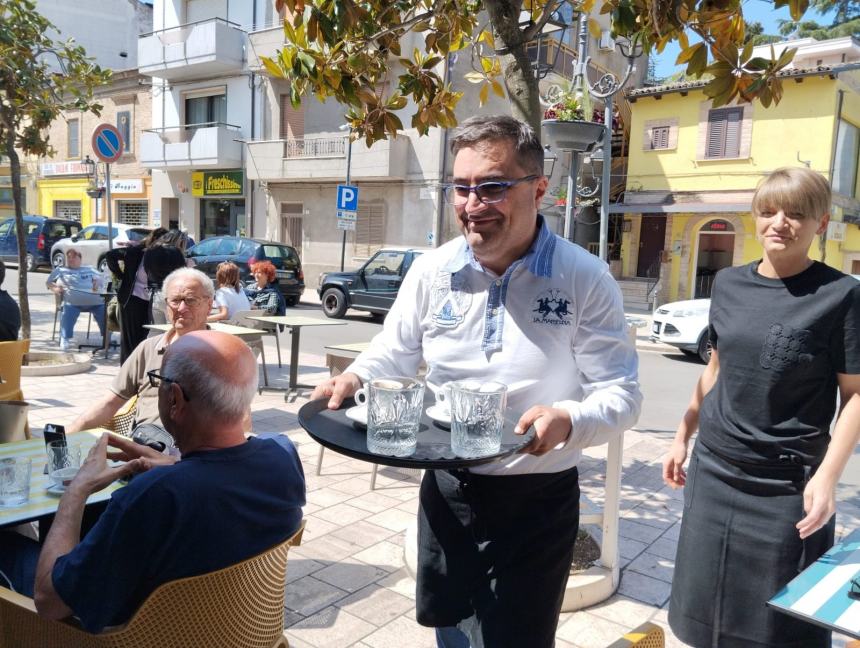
[
  {"x": 496, "y": 541},
  {"x": 79, "y": 288},
  {"x": 759, "y": 492}
]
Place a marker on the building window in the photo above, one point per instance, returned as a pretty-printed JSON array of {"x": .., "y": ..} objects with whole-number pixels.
[
  {"x": 133, "y": 212},
  {"x": 724, "y": 133},
  {"x": 660, "y": 134},
  {"x": 660, "y": 137},
  {"x": 292, "y": 224},
  {"x": 209, "y": 110},
  {"x": 847, "y": 153},
  {"x": 369, "y": 228},
  {"x": 70, "y": 209},
  {"x": 123, "y": 124},
  {"x": 74, "y": 150}
]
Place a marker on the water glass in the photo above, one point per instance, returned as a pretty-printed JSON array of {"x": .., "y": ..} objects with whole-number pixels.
[
  {"x": 15, "y": 481},
  {"x": 64, "y": 461},
  {"x": 394, "y": 407},
  {"x": 477, "y": 417}
]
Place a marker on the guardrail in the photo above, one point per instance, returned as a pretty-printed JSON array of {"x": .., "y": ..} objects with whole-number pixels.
[
  {"x": 316, "y": 147},
  {"x": 184, "y": 133}
]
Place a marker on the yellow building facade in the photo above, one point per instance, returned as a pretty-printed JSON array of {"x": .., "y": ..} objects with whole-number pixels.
[{"x": 692, "y": 171}]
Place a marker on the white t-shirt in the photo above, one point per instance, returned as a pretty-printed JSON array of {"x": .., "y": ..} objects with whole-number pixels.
[{"x": 234, "y": 301}]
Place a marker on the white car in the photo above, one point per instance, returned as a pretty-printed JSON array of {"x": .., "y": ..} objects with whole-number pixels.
[
  {"x": 684, "y": 324},
  {"x": 92, "y": 242}
]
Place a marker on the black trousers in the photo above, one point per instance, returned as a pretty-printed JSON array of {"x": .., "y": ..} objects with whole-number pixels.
[
  {"x": 132, "y": 318},
  {"x": 494, "y": 554}
]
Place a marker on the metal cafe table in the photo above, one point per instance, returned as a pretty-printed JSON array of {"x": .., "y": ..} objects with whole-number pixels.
[{"x": 232, "y": 329}]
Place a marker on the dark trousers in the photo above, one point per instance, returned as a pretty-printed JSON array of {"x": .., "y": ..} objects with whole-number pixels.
[
  {"x": 133, "y": 317},
  {"x": 494, "y": 554}
]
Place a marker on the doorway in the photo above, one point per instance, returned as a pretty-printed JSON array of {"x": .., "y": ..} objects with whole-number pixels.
[
  {"x": 223, "y": 218},
  {"x": 652, "y": 236},
  {"x": 714, "y": 251}
]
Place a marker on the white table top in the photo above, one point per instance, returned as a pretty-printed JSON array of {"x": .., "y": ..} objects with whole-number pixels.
[
  {"x": 294, "y": 320},
  {"x": 215, "y": 326}
]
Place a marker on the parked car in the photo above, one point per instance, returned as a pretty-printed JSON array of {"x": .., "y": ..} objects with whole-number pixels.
[
  {"x": 684, "y": 324},
  {"x": 208, "y": 253},
  {"x": 41, "y": 232},
  {"x": 92, "y": 242},
  {"x": 373, "y": 287}
]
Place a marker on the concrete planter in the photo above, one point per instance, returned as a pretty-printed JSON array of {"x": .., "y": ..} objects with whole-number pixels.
[
  {"x": 56, "y": 363},
  {"x": 579, "y": 136}
]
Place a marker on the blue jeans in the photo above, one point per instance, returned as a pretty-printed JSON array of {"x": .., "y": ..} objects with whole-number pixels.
[
  {"x": 451, "y": 637},
  {"x": 70, "y": 316},
  {"x": 18, "y": 559}
]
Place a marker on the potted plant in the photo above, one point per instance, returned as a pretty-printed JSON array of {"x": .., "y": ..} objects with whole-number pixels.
[{"x": 571, "y": 123}]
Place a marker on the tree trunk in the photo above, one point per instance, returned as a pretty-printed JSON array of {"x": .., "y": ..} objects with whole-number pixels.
[
  {"x": 520, "y": 80},
  {"x": 15, "y": 168}
]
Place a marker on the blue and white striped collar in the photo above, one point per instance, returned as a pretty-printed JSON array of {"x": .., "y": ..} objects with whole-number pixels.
[{"x": 538, "y": 259}]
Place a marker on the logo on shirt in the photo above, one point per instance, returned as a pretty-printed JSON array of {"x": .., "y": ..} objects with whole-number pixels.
[
  {"x": 552, "y": 307},
  {"x": 448, "y": 301}
]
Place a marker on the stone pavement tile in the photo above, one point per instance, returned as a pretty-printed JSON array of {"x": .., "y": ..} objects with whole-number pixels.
[
  {"x": 644, "y": 588},
  {"x": 326, "y": 549},
  {"x": 374, "y": 501},
  {"x": 362, "y": 534},
  {"x": 326, "y": 497},
  {"x": 652, "y": 565},
  {"x": 664, "y": 547},
  {"x": 586, "y": 630},
  {"x": 309, "y": 595},
  {"x": 376, "y": 605},
  {"x": 385, "y": 555},
  {"x": 400, "y": 582},
  {"x": 342, "y": 514},
  {"x": 559, "y": 643},
  {"x": 660, "y": 515},
  {"x": 314, "y": 482},
  {"x": 393, "y": 519},
  {"x": 350, "y": 575},
  {"x": 354, "y": 485},
  {"x": 637, "y": 531},
  {"x": 300, "y": 567},
  {"x": 410, "y": 506},
  {"x": 629, "y": 548},
  {"x": 622, "y": 610},
  {"x": 400, "y": 633},
  {"x": 673, "y": 532},
  {"x": 310, "y": 509},
  {"x": 316, "y": 527},
  {"x": 330, "y": 628},
  {"x": 661, "y": 618},
  {"x": 402, "y": 491},
  {"x": 291, "y": 618}
]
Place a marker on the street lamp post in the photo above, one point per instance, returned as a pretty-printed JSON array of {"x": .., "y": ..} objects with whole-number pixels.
[
  {"x": 348, "y": 170},
  {"x": 93, "y": 190}
]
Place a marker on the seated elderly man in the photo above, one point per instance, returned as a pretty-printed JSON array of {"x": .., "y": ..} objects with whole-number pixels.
[
  {"x": 79, "y": 286},
  {"x": 229, "y": 498},
  {"x": 189, "y": 296}
]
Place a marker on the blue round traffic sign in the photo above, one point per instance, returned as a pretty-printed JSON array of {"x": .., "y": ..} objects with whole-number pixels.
[{"x": 107, "y": 143}]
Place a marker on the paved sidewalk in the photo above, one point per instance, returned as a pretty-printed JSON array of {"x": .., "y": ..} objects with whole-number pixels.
[{"x": 347, "y": 582}]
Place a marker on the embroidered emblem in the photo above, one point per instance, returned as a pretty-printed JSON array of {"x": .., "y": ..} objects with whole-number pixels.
[
  {"x": 785, "y": 347},
  {"x": 551, "y": 307},
  {"x": 449, "y": 302}
]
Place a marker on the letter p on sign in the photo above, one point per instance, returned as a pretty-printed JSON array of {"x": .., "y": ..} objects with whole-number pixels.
[{"x": 347, "y": 197}]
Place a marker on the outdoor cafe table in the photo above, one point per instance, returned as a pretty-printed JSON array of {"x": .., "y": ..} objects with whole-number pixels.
[
  {"x": 232, "y": 329},
  {"x": 43, "y": 504},
  {"x": 295, "y": 324}
]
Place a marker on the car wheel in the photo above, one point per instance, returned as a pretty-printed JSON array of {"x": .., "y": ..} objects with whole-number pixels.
[
  {"x": 704, "y": 351},
  {"x": 334, "y": 303},
  {"x": 292, "y": 301},
  {"x": 102, "y": 265},
  {"x": 31, "y": 263},
  {"x": 58, "y": 260}
]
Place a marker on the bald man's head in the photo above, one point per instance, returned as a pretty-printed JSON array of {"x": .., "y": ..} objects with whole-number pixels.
[{"x": 217, "y": 372}]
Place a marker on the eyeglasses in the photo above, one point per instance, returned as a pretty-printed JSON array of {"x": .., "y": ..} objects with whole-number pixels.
[
  {"x": 176, "y": 302},
  {"x": 855, "y": 588},
  {"x": 155, "y": 380},
  {"x": 488, "y": 193}
]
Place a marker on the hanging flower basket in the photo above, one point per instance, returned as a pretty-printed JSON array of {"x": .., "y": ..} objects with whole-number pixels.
[{"x": 575, "y": 135}]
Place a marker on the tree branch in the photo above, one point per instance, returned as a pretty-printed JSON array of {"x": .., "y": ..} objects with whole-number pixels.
[
  {"x": 408, "y": 23},
  {"x": 530, "y": 33}
]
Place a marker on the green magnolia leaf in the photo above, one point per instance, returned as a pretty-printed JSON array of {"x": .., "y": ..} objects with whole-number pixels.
[
  {"x": 271, "y": 67},
  {"x": 484, "y": 94},
  {"x": 687, "y": 54},
  {"x": 758, "y": 63}
]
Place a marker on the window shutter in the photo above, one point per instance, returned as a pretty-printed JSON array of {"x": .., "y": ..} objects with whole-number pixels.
[
  {"x": 369, "y": 228},
  {"x": 724, "y": 133},
  {"x": 734, "y": 117},
  {"x": 292, "y": 120},
  {"x": 716, "y": 135},
  {"x": 660, "y": 137}
]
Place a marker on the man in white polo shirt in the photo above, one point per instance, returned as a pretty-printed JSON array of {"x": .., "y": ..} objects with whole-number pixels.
[{"x": 514, "y": 303}]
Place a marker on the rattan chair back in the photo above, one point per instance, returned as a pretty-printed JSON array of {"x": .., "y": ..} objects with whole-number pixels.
[{"x": 11, "y": 359}]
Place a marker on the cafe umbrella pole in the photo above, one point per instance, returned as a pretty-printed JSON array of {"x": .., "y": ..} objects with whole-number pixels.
[{"x": 348, "y": 168}]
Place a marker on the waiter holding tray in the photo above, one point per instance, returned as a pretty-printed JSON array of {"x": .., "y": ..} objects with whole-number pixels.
[{"x": 513, "y": 303}]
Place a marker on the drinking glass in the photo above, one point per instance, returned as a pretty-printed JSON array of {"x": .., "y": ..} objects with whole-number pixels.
[
  {"x": 63, "y": 462},
  {"x": 15, "y": 481},
  {"x": 394, "y": 407},
  {"x": 477, "y": 417}
]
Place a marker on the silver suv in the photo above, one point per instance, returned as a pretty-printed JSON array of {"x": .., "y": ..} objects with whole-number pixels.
[{"x": 92, "y": 242}]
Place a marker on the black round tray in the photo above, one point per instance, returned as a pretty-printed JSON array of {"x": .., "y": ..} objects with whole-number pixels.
[{"x": 332, "y": 429}]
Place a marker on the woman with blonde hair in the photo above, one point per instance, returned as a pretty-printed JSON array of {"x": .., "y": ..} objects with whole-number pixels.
[
  {"x": 230, "y": 297},
  {"x": 759, "y": 491}
]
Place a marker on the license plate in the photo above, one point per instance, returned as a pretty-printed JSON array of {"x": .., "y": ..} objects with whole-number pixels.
[
  {"x": 284, "y": 274},
  {"x": 656, "y": 328}
]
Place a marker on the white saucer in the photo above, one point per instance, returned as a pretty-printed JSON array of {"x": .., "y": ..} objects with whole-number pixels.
[
  {"x": 357, "y": 414},
  {"x": 56, "y": 489},
  {"x": 439, "y": 414}
]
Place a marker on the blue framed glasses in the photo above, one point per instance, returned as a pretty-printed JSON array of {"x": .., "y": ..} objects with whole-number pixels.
[{"x": 489, "y": 193}]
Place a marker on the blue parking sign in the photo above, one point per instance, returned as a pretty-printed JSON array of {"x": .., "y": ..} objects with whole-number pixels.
[{"x": 347, "y": 197}]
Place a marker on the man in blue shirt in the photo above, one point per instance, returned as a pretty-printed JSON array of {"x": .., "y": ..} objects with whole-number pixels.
[
  {"x": 228, "y": 499},
  {"x": 79, "y": 287}
]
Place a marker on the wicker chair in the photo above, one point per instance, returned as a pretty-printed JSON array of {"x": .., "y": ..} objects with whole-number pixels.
[
  {"x": 648, "y": 635},
  {"x": 11, "y": 359},
  {"x": 122, "y": 421},
  {"x": 241, "y": 606},
  {"x": 240, "y": 318}
]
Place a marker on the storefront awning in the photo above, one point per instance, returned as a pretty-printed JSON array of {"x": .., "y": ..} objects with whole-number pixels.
[{"x": 683, "y": 208}]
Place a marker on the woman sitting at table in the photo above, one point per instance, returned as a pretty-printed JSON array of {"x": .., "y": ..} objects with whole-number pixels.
[
  {"x": 263, "y": 291},
  {"x": 229, "y": 298}
]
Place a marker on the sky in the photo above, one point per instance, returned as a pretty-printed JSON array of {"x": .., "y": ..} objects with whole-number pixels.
[{"x": 754, "y": 11}]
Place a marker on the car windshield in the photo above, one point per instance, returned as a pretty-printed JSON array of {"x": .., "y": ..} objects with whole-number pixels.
[
  {"x": 136, "y": 234},
  {"x": 280, "y": 255}
]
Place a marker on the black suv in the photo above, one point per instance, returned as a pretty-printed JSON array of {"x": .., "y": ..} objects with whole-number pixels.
[
  {"x": 208, "y": 253},
  {"x": 40, "y": 232},
  {"x": 373, "y": 287}
]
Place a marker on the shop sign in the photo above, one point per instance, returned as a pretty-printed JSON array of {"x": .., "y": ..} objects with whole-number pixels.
[
  {"x": 62, "y": 168},
  {"x": 217, "y": 183},
  {"x": 126, "y": 186},
  {"x": 718, "y": 226}
]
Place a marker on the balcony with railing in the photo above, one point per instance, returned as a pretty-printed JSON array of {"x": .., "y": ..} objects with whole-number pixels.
[
  {"x": 324, "y": 158},
  {"x": 212, "y": 145},
  {"x": 200, "y": 49}
]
